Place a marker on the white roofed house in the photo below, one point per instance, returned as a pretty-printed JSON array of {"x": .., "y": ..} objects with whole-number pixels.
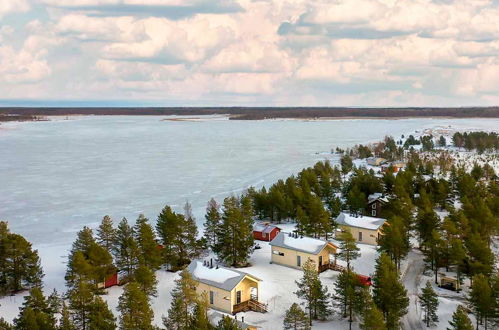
[
  {"x": 364, "y": 229},
  {"x": 228, "y": 290},
  {"x": 293, "y": 250}
]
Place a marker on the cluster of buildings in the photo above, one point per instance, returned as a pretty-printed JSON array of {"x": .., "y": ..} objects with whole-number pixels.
[{"x": 232, "y": 291}]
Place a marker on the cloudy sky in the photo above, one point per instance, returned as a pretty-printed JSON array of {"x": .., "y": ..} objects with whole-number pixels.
[{"x": 249, "y": 52}]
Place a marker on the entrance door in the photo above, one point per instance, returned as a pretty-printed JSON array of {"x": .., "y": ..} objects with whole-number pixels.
[
  {"x": 238, "y": 297},
  {"x": 320, "y": 261}
]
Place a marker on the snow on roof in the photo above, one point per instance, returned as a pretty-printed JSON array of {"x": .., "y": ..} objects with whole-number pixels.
[
  {"x": 300, "y": 243},
  {"x": 264, "y": 227},
  {"x": 376, "y": 196},
  {"x": 371, "y": 223},
  {"x": 221, "y": 277}
]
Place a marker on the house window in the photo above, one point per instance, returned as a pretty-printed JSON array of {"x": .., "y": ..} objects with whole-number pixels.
[
  {"x": 374, "y": 206},
  {"x": 298, "y": 261},
  {"x": 278, "y": 253},
  {"x": 360, "y": 236},
  {"x": 212, "y": 297},
  {"x": 374, "y": 213},
  {"x": 264, "y": 235}
]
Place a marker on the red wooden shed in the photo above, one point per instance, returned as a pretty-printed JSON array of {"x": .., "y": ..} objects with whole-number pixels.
[
  {"x": 110, "y": 281},
  {"x": 265, "y": 231}
]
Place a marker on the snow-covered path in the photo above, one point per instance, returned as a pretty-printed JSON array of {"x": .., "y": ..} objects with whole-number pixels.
[{"x": 411, "y": 280}]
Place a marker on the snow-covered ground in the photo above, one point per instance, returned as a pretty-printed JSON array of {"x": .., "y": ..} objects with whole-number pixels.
[{"x": 60, "y": 175}]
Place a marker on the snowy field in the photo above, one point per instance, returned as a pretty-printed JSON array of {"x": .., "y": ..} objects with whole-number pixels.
[{"x": 60, "y": 175}]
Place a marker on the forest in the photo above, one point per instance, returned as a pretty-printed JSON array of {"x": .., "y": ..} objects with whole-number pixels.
[{"x": 429, "y": 185}]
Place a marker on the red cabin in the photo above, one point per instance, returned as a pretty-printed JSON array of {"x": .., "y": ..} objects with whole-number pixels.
[
  {"x": 265, "y": 231},
  {"x": 364, "y": 280},
  {"x": 110, "y": 281}
]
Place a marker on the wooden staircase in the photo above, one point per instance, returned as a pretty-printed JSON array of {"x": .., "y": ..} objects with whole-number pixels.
[{"x": 250, "y": 305}]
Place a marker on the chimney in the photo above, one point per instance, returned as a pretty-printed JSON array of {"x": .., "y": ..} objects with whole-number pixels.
[
  {"x": 290, "y": 234},
  {"x": 211, "y": 263}
]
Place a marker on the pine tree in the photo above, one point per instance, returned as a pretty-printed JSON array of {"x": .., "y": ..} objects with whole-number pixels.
[
  {"x": 429, "y": 303},
  {"x": 65, "y": 322},
  {"x": 395, "y": 240},
  {"x": 19, "y": 263},
  {"x": 212, "y": 223},
  {"x": 348, "y": 249},
  {"x": 235, "y": 235},
  {"x": 460, "y": 320},
  {"x": 346, "y": 164},
  {"x": 481, "y": 299},
  {"x": 88, "y": 261},
  {"x": 146, "y": 279},
  {"x": 146, "y": 240},
  {"x": 388, "y": 293},
  {"x": 184, "y": 301},
  {"x": 106, "y": 233},
  {"x": 372, "y": 318},
  {"x": 200, "y": 319},
  {"x": 101, "y": 318},
  {"x": 296, "y": 319},
  {"x": 35, "y": 312},
  {"x": 228, "y": 323},
  {"x": 349, "y": 295},
  {"x": 81, "y": 297},
  {"x": 135, "y": 310},
  {"x": 310, "y": 289},
  {"x": 178, "y": 237},
  {"x": 126, "y": 249},
  {"x": 4, "y": 325}
]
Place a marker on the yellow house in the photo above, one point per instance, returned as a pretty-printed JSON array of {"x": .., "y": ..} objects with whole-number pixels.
[
  {"x": 227, "y": 290},
  {"x": 364, "y": 229},
  {"x": 292, "y": 250}
]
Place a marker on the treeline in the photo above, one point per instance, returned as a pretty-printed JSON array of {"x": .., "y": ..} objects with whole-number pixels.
[
  {"x": 479, "y": 141},
  {"x": 257, "y": 113}
]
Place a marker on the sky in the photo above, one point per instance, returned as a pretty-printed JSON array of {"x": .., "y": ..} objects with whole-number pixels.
[{"x": 249, "y": 52}]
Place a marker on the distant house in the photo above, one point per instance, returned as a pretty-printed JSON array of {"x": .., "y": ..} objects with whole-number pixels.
[
  {"x": 215, "y": 317},
  {"x": 375, "y": 203},
  {"x": 364, "y": 229},
  {"x": 375, "y": 161},
  {"x": 227, "y": 290},
  {"x": 109, "y": 281},
  {"x": 292, "y": 250},
  {"x": 265, "y": 231},
  {"x": 395, "y": 166}
]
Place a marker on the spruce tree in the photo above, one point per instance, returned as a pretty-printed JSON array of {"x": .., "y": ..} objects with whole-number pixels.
[
  {"x": 296, "y": 319},
  {"x": 135, "y": 310},
  {"x": 349, "y": 295},
  {"x": 126, "y": 249},
  {"x": 346, "y": 164},
  {"x": 315, "y": 295},
  {"x": 235, "y": 236},
  {"x": 184, "y": 301},
  {"x": 460, "y": 320},
  {"x": 212, "y": 223},
  {"x": 106, "y": 233},
  {"x": 429, "y": 303},
  {"x": 200, "y": 319},
  {"x": 4, "y": 325},
  {"x": 348, "y": 248},
  {"x": 388, "y": 292},
  {"x": 148, "y": 246}
]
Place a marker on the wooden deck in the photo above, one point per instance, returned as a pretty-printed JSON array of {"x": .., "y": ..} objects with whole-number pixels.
[
  {"x": 250, "y": 305},
  {"x": 332, "y": 266}
]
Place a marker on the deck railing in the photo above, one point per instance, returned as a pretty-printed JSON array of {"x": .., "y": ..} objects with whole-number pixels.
[{"x": 250, "y": 305}]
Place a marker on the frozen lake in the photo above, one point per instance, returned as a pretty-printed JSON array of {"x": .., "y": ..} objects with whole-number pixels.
[{"x": 57, "y": 176}]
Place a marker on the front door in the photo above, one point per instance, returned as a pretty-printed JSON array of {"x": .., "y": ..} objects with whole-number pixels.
[
  {"x": 238, "y": 297},
  {"x": 320, "y": 261}
]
